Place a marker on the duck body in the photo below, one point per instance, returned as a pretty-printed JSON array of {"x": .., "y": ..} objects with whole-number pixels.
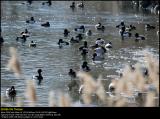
[
  {"x": 62, "y": 43},
  {"x": 31, "y": 20},
  {"x": 11, "y": 93},
  {"x": 149, "y": 27},
  {"x": 47, "y": 24},
  {"x": 80, "y": 5},
  {"x": 80, "y": 29},
  {"x": 39, "y": 77},
  {"x": 89, "y": 33},
  {"x": 100, "y": 42},
  {"x": 108, "y": 45},
  {"x": 139, "y": 37},
  {"x": 32, "y": 44},
  {"x": 125, "y": 33},
  {"x": 97, "y": 57},
  {"x": 85, "y": 67},
  {"x": 72, "y": 73},
  {"x": 99, "y": 27}
]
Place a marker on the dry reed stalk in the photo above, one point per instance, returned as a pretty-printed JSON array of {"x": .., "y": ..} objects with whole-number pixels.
[
  {"x": 100, "y": 90},
  {"x": 51, "y": 99},
  {"x": 19, "y": 102},
  {"x": 31, "y": 92},
  {"x": 64, "y": 100},
  {"x": 13, "y": 63},
  {"x": 150, "y": 101},
  {"x": 89, "y": 86}
]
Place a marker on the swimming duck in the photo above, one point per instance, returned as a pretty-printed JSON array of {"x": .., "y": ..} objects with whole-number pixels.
[
  {"x": 89, "y": 33},
  {"x": 120, "y": 25},
  {"x": 125, "y": 33},
  {"x": 85, "y": 66},
  {"x": 100, "y": 41},
  {"x": 39, "y": 77},
  {"x": 97, "y": 58},
  {"x": 73, "y": 5},
  {"x": 66, "y": 32},
  {"x": 49, "y": 3},
  {"x": 99, "y": 26},
  {"x": 79, "y": 37},
  {"x": 80, "y": 29},
  {"x": 32, "y": 44},
  {"x": 130, "y": 28},
  {"x": 11, "y": 92},
  {"x": 24, "y": 38},
  {"x": 149, "y": 27},
  {"x": 81, "y": 5},
  {"x": 31, "y": 20},
  {"x": 73, "y": 40},
  {"x": 26, "y": 33},
  {"x": 100, "y": 50},
  {"x": 72, "y": 73},
  {"x": 108, "y": 45},
  {"x": 139, "y": 37},
  {"x": 62, "y": 43},
  {"x": 84, "y": 48},
  {"x": 47, "y": 24}
]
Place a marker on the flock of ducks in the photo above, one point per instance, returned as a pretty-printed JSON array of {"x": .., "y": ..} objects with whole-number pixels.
[{"x": 99, "y": 48}]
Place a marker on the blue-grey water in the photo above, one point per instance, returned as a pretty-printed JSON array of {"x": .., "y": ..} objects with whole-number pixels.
[{"x": 56, "y": 62}]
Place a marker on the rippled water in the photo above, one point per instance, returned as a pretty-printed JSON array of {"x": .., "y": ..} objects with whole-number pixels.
[{"x": 56, "y": 62}]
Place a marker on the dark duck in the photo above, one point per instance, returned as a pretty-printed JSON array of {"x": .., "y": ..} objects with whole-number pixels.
[
  {"x": 11, "y": 93},
  {"x": 39, "y": 77}
]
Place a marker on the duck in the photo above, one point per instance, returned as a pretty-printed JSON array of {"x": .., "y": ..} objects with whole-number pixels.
[
  {"x": 108, "y": 45},
  {"x": 31, "y": 20},
  {"x": 120, "y": 25},
  {"x": 39, "y": 77},
  {"x": 72, "y": 73},
  {"x": 1, "y": 40},
  {"x": 80, "y": 5},
  {"x": 125, "y": 33},
  {"x": 149, "y": 27},
  {"x": 23, "y": 38},
  {"x": 47, "y": 24},
  {"x": 85, "y": 67},
  {"x": 32, "y": 44},
  {"x": 66, "y": 32},
  {"x": 89, "y": 33},
  {"x": 73, "y": 40},
  {"x": 84, "y": 48},
  {"x": 79, "y": 37},
  {"x": 99, "y": 50},
  {"x": 100, "y": 42},
  {"x": 130, "y": 28},
  {"x": 96, "y": 57},
  {"x": 139, "y": 37},
  {"x": 80, "y": 29},
  {"x": 72, "y": 5},
  {"x": 99, "y": 26},
  {"x": 62, "y": 43},
  {"x": 26, "y": 33},
  {"x": 11, "y": 92},
  {"x": 49, "y": 3}
]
